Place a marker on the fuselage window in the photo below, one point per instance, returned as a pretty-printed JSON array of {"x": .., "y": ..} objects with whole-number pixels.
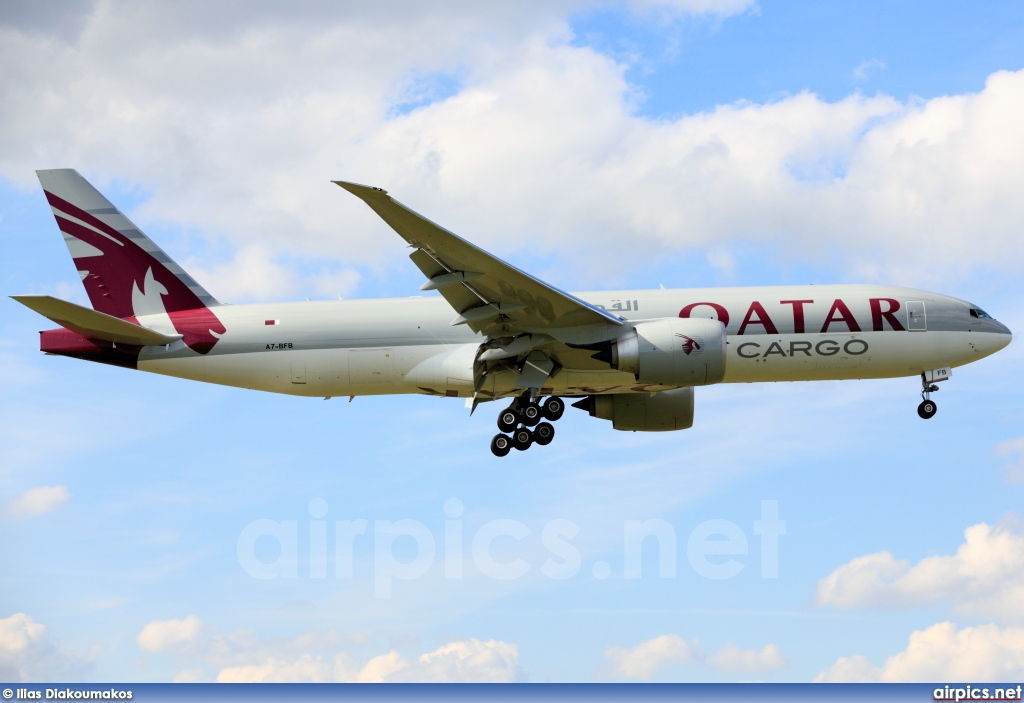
[{"x": 980, "y": 314}]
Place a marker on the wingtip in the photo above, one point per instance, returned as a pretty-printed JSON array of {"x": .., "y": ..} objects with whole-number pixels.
[
  {"x": 360, "y": 190},
  {"x": 25, "y": 298}
]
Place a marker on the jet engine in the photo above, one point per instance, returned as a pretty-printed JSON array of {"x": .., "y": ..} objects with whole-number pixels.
[
  {"x": 671, "y": 351},
  {"x": 643, "y": 412}
]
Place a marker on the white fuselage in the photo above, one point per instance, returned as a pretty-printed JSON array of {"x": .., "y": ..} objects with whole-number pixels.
[{"x": 407, "y": 345}]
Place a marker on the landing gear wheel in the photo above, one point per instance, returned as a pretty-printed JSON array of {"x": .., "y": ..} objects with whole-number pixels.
[
  {"x": 522, "y": 439},
  {"x": 544, "y": 433},
  {"x": 501, "y": 445},
  {"x": 508, "y": 420},
  {"x": 553, "y": 408},
  {"x": 530, "y": 413},
  {"x": 927, "y": 409}
]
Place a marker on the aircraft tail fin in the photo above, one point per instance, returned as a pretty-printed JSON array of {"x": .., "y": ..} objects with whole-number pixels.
[{"x": 124, "y": 272}]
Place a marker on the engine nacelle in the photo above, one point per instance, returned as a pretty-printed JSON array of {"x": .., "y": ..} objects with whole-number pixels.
[
  {"x": 673, "y": 351},
  {"x": 643, "y": 412}
]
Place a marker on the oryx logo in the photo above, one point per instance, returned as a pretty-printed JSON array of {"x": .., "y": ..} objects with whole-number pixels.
[
  {"x": 200, "y": 326},
  {"x": 690, "y": 344}
]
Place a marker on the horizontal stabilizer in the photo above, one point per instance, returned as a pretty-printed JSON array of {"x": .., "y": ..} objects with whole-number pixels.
[{"x": 92, "y": 324}]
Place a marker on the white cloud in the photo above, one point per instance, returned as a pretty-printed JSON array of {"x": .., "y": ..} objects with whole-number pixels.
[
  {"x": 251, "y": 275},
  {"x": 236, "y": 125},
  {"x": 866, "y": 69},
  {"x": 254, "y": 274},
  {"x": 169, "y": 635},
  {"x": 696, "y": 7},
  {"x": 190, "y": 676},
  {"x": 730, "y": 659},
  {"x": 469, "y": 660},
  {"x": 27, "y": 654},
  {"x": 855, "y": 669},
  {"x": 307, "y": 668},
  {"x": 984, "y": 578},
  {"x": 723, "y": 260},
  {"x": 19, "y": 633},
  {"x": 339, "y": 284},
  {"x": 943, "y": 653},
  {"x": 646, "y": 659},
  {"x": 1013, "y": 448},
  {"x": 379, "y": 669},
  {"x": 465, "y": 660},
  {"x": 37, "y": 501},
  {"x": 317, "y": 656}
]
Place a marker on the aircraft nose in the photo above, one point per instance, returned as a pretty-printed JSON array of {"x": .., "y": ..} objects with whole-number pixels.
[{"x": 1005, "y": 336}]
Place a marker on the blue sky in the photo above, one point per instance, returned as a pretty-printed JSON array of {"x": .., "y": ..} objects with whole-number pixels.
[
  {"x": 716, "y": 143},
  {"x": 830, "y": 49}
]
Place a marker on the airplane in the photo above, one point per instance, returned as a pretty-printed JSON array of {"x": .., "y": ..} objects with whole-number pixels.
[{"x": 495, "y": 332}]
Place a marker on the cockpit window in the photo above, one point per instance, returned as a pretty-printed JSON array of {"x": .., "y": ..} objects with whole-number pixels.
[{"x": 980, "y": 314}]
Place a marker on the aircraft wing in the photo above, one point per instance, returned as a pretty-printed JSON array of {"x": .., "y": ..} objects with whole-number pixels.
[
  {"x": 90, "y": 323},
  {"x": 489, "y": 295}
]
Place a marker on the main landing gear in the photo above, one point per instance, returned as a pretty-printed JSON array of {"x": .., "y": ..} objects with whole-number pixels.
[
  {"x": 927, "y": 409},
  {"x": 518, "y": 418}
]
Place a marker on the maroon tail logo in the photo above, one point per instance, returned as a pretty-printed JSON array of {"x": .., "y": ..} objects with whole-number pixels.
[
  {"x": 690, "y": 344},
  {"x": 124, "y": 280}
]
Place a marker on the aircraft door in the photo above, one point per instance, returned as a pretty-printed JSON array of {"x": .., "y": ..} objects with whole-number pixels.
[
  {"x": 298, "y": 372},
  {"x": 916, "y": 319}
]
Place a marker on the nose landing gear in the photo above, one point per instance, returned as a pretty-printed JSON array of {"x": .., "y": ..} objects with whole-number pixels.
[
  {"x": 927, "y": 409},
  {"x": 518, "y": 418}
]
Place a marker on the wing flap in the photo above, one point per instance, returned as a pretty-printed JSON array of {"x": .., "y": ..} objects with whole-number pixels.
[
  {"x": 92, "y": 324},
  {"x": 460, "y": 297}
]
